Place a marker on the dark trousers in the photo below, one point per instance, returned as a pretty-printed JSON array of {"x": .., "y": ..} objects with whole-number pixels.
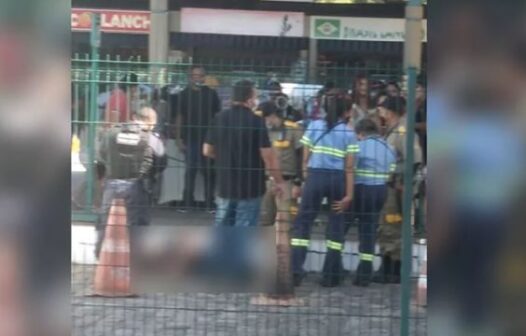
[
  {"x": 368, "y": 203},
  {"x": 320, "y": 183},
  {"x": 197, "y": 162},
  {"x": 137, "y": 201}
]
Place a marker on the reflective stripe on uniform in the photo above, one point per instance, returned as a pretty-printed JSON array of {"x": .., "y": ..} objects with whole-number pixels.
[
  {"x": 299, "y": 242},
  {"x": 328, "y": 151},
  {"x": 366, "y": 257},
  {"x": 306, "y": 141},
  {"x": 392, "y": 167},
  {"x": 371, "y": 173},
  {"x": 334, "y": 245},
  {"x": 353, "y": 149}
]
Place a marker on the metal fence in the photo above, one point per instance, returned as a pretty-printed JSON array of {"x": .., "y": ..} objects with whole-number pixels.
[{"x": 344, "y": 310}]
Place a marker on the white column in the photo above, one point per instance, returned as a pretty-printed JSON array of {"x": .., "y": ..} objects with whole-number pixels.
[{"x": 159, "y": 40}]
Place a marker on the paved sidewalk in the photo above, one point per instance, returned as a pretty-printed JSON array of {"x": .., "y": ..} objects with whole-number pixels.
[{"x": 347, "y": 310}]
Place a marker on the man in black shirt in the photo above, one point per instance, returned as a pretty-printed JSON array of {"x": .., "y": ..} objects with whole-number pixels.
[
  {"x": 194, "y": 108},
  {"x": 238, "y": 141}
]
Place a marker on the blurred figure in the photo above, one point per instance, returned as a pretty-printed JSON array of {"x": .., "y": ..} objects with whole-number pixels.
[
  {"x": 421, "y": 119},
  {"x": 238, "y": 140},
  {"x": 194, "y": 108},
  {"x": 374, "y": 164},
  {"x": 160, "y": 103},
  {"x": 328, "y": 160},
  {"x": 128, "y": 152},
  {"x": 122, "y": 99},
  {"x": 362, "y": 106},
  {"x": 282, "y": 101},
  {"x": 315, "y": 109},
  {"x": 390, "y": 230},
  {"x": 393, "y": 89},
  {"x": 285, "y": 137}
]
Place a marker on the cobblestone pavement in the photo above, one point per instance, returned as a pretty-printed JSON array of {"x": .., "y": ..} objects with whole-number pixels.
[{"x": 347, "y": 310}]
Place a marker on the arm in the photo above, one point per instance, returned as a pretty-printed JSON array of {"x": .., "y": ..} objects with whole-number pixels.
[
  {"x": 210, "y": 141},
  {"x": 305, "y": 161},
  {"x": 349, "y": 177},
  {"x": 272, "y": 164},
  {"x": 147, "y": 162},
  {"x": 177, "y": 126},
  {"x": 216, "y": 107}
]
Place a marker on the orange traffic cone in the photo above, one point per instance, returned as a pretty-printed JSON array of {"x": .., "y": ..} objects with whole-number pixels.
[{"x": 112, "y": 275}]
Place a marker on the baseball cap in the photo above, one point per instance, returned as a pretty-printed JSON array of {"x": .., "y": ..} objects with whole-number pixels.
[
  {"x": 394, "y": 104},
  {"x": 273, "y": 84}
]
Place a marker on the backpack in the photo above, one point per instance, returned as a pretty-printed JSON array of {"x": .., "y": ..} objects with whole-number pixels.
[{"x": 126, "y": 152}]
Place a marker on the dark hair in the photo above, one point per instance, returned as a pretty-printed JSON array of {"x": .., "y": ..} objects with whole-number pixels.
[
  {"x": 366, "y": 126},
  {"x": 128, "y": 80},
  {"x": 395, "y": 105},
  {"x": 242, "y": 91},
  {"x": 354, "y": 89},
  {"x": 335, "y": 108},
  {"x": 269, "y": 108},
  {"x": 395, "y": 84},
  {"x": 197, "y": 66}
]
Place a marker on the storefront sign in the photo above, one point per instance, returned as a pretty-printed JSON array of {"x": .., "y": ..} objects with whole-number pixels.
[
  {"x": 361, "y": 29},
  {"x": 242, "y": 22},
  {"x": 112, "y": 21}
]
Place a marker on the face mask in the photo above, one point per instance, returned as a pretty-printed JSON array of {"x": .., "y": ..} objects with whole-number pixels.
[{"x": 255, "y": 104}]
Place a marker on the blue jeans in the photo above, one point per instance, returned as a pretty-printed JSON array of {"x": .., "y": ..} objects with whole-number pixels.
[{"x": 237, "y": 212}]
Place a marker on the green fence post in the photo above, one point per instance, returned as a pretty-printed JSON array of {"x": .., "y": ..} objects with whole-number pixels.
[
  {"x": 412, "y": 60},
  {"x": 92, "y": 120}
]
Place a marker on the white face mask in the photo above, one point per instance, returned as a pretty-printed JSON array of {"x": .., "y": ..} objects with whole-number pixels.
[{"x": 255, "y": 104}]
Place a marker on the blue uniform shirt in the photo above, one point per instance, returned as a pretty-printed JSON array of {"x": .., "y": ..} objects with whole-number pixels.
[
  {"x": 375, "y": 161},
  {"x": 329, "y": 151}
]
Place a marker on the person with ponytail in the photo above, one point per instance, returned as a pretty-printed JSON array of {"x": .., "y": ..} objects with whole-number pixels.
[{"x": 329, "y": 148}]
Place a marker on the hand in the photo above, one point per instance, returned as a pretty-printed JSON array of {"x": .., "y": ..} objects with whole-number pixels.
[
  {"x": 296, "y": 192},
  {"x": 280, "y": 189},
  {"x": 180, "y": 144},
  {"x": 341, "y": 206}
]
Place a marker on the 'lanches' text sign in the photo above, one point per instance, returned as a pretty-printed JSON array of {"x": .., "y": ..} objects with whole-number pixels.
[{"x": 112, "y": 21}]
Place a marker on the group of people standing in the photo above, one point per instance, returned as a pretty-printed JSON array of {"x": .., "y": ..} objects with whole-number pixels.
[
  {"x": 352, "y": 156},
  {"x": 261, "y": 166}
]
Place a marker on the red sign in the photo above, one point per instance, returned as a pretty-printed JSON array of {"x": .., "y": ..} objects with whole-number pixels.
[{"x": 112, "y": 21}]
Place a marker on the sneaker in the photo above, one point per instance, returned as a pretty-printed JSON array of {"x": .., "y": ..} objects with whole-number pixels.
[{"x": 182, "y": 210}]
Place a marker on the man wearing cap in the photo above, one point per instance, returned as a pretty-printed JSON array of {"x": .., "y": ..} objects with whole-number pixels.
[
  {"x": 285, "y": 136},
  {"x": 128, "y": 152},
  {"x": 390, "y": 229},
  {"x": 282, "y": 101}
]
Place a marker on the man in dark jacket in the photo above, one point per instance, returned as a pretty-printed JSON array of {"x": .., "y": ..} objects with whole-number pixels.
[{"x": 193, "y": 109}]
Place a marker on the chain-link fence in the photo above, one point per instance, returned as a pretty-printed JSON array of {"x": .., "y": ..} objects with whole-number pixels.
[{"x": 112, "y": 91}]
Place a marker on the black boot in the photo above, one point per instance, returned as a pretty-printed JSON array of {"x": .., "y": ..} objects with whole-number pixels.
[
  {"x": 395, "y": 275},
  {"x": 381, "y": 275},
  {"x": 297, "y": 278},
  {"x": 363, "y": 274},
  {"x": 330, "y": 281}
]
